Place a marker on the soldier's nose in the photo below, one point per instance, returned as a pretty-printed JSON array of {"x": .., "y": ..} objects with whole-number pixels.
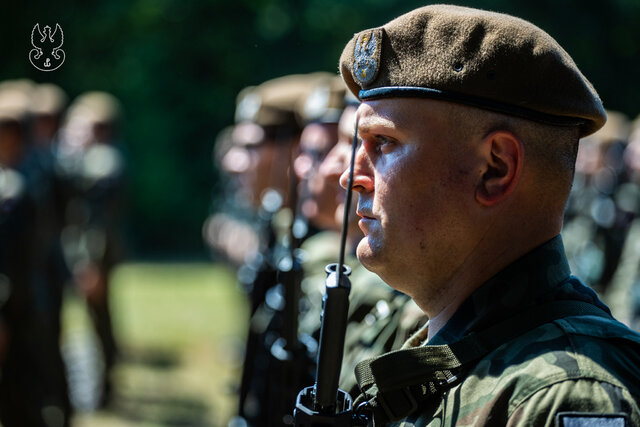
[{"x": 362, "y": 174}]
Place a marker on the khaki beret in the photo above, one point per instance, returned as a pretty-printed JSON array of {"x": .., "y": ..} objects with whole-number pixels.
[{"x": 483, "y": 59}]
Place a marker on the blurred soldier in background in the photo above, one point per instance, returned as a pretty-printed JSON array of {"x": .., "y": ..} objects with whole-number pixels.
[
  {"x": 17, "y": 398},
  {"x": 319, "y": 196},
  {"x": 598, "y": 214},
  {"x": 33, "y": 390},
  {"x": 623, "y": 293},
  {"x": 91, "y": 167},
  {"x": 320, "y": 112},
  {"x": 261, "y": 146},
  {"x": 46, "y": 107},
  {"x": 229, "y": 231},
  {"x": 255, "y": 155}
]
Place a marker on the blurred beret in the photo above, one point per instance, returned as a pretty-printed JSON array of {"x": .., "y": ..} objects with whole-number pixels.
[
  {"x": 15, "y": 96},
  {"x": 99, "y": 107},
  {"x": 276, "y": 102},
  {"x": 47, "y": 99},
  {"x": 617, "y": 128},
  {"x": 325, "y": 101},
  {"x": 469, "y": 56}
]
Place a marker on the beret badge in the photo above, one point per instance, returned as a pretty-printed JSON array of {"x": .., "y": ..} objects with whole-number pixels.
[{"x": 366, "y": 55}]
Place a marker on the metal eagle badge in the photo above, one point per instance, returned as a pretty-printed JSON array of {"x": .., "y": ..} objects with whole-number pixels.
[
  {"x": 46, "y": 54},
  {"x": 367, "y": 56}
]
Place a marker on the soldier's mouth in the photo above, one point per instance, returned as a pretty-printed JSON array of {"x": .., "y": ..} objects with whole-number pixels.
[{"x": 365, "y": 215}]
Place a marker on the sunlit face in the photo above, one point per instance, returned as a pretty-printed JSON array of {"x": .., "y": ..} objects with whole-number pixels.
[{"x": 415, "y": 191}]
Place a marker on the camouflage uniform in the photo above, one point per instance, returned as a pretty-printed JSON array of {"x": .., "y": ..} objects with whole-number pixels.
[{"x": 578, "y": 363}]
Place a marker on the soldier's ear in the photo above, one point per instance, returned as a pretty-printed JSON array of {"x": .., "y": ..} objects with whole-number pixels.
[{"x": 502, "y": 154}]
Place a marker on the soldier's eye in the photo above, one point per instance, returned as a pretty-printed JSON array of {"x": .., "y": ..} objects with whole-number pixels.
[{"x": 385, "y": 144}]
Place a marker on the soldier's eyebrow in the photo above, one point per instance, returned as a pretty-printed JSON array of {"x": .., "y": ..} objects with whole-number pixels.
[{"x": 377, "y": 125}]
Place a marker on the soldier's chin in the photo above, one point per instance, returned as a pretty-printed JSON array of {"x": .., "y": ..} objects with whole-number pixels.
[{"x": 368, "y": 254}]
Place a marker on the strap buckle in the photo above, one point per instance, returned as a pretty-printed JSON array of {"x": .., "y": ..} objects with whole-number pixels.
[{"x": 397, "y": 404}]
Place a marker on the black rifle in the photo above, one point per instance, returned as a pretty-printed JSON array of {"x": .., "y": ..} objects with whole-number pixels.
[{"x": 324, "y": 404}]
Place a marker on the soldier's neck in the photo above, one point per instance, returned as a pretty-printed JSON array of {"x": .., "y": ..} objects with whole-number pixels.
[{"x": 481, "y": 266}]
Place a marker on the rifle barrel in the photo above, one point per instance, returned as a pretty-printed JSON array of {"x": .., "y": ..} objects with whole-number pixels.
[{"x": 334, "y": 323}]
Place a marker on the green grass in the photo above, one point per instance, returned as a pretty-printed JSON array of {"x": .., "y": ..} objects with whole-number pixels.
[
  {"x": 181, "y": 328},
  {"x": 168, "y": 305}
]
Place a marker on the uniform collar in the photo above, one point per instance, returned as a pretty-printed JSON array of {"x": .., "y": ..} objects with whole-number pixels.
[{"x": 540, "y": 276}]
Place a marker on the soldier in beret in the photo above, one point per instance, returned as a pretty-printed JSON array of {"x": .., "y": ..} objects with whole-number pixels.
[{"x": 469, "y": 127}]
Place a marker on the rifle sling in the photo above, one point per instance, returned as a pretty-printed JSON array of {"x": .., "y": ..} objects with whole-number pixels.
[{"x": 395, "y": 383}]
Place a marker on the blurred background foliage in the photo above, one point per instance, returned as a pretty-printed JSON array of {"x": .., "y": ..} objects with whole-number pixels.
[{"x": 177, "y": 66}]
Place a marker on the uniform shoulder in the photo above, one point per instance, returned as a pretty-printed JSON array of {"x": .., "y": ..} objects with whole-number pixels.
[
  {"x": 584, "y": 397},
  {"x": 584, "y": 349}
]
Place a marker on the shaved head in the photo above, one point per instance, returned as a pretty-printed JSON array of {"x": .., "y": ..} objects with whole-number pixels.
[{"x": 550, "y": 151}]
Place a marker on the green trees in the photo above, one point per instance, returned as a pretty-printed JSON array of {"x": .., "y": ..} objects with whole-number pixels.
[{"x": 177, "y": 66}]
